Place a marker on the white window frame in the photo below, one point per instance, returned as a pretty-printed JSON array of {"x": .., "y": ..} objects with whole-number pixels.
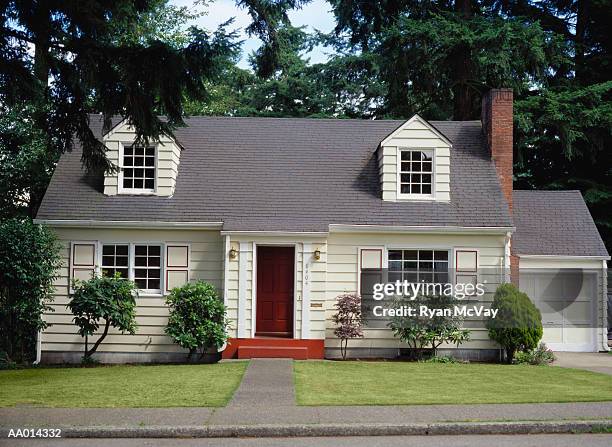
[
  {"x": 101, "y": 254},
  {"x": 131, "y": 263},
  {"x": 133, "y": 267},
  {"x": 400, "y": 195},
  {"x": 136, "y": 191},
  {"x": 449, "y": 259}
]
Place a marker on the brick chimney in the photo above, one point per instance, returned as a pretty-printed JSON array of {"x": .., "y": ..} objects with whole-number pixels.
[{"x": 496, "y": 121}]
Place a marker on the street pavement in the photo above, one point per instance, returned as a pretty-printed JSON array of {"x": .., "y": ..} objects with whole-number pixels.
[{"x": 591, "y": 440}]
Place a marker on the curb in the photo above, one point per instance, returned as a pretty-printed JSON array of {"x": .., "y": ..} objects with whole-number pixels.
[{"x": 337, "y": 430}]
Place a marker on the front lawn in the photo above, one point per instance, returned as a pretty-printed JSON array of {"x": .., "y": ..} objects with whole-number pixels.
[
  {"x": 401, "y": 383},
  {"x": 122, "y": 386}
]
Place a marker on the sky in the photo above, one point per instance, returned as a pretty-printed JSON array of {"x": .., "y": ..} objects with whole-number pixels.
[{"x": 315, "y": 15}]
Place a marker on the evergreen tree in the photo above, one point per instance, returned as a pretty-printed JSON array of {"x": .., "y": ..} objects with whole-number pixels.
[{"x": 68, "y": 58}]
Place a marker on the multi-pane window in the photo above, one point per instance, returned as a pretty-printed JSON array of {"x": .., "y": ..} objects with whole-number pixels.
[
  {"x": 115, "y": 259},
  {"x": 139, "y": 168},
  {"x": 416, "y": 172},
  {"x": 430, "y": 266},
  {"x": 147, "y": 266}
]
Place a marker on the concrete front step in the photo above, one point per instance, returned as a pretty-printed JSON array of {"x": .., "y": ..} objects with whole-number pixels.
[{"x": 273, "y": 352}]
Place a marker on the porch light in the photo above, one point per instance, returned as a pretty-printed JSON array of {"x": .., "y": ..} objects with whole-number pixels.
[
  {"x": 233, "y": 253},
  {"x": 317, "y": 254}
]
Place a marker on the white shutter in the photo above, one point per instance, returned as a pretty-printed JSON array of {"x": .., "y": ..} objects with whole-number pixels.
[
  {"x": 177, "y": 265},
  {"x": 82, "y": 260},
  {"x": 466, "y": 266},
  {"x": 371, "y": 260}
]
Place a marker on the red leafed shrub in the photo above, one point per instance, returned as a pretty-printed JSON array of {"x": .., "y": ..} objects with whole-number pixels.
[{"x": 348, "y": 319}]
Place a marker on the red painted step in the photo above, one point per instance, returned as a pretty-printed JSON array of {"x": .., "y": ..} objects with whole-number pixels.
[
  {"x": 282, "y": 352},
  {"x": 274, "y": 347}
]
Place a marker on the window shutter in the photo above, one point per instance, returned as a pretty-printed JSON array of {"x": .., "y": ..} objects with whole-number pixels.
[
  {"x": 370, "y": 270},
  {"x": 466, "y": 266},
  {"x": 82, "y": 261},
  {"x": 177, "y": 265}
]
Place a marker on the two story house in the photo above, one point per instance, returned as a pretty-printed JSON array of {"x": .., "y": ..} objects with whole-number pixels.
[{"x": 282, "y": 216}]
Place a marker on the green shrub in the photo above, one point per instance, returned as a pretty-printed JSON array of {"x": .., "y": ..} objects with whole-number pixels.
[
  {"x": 6, "y": 362},
  {"x": 197, "y": 318},
  {"x": 518, "y": 324},
  {"x": 441, "y": 359},
  {"x": 539, "y": 356},
  {"x": 29, "y": 261},
  {"x": 422, "y": 333},
  {"x": 112, "y": 299}
]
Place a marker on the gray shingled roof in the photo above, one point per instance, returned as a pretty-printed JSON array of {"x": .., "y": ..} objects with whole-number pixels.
[
  {"x": 284, "y": 174},
  {"x": 554, "y": 223}
]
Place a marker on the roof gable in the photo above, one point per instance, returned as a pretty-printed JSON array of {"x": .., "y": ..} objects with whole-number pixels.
[{"x": 418, "y": 126}]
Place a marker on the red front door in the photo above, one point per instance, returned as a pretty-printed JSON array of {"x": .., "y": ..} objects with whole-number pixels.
[{"x": 275, "y": 271}]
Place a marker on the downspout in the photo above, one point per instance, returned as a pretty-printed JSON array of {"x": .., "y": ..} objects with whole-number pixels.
[
  {"x": 39, "y": 347},
  {"x": 226, "y": 245},
  {"x": 604, "y": 326},
  {"x": 506, "y": 274}
]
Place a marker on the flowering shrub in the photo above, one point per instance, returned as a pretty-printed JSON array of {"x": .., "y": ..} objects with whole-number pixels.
[
  {"x": 348, "y": 319},
  {"x": 424, "y": 333},
  {"x": 539, "y": 356}
]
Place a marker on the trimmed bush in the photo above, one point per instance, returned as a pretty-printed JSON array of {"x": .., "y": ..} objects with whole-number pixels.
[
  {"x": 197, "y": 320},
  {"x": 518, "y": 324},
  {"x": 112, "y": 299}
]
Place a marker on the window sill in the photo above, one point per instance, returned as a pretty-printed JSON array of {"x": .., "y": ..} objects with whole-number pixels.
[
  {"x": 150, "y": 294},
  {"x": 415, "y": 198},
  {"x": 135, "y": 192}
]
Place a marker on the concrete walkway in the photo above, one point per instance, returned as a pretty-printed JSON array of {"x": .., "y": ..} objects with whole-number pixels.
[
  {"x": 600, "y": 362},
  {"x": 266, "y": 381}
]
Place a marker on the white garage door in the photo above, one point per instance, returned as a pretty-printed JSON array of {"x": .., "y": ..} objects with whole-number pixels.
[{"x": 567, "y": 299}]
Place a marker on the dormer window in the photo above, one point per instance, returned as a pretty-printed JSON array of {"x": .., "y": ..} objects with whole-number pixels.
[
  {"x": 138, "y": 169},
  {"x": 415, "y": 173}
]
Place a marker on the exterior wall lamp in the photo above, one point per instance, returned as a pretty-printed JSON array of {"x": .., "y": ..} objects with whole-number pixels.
[
  {"x": 233, "y": 253},
  {"x": 317, "y": 254}
]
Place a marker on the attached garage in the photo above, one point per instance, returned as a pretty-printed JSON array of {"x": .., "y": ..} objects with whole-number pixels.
[
  {"x": 569, "y": 295},
  {"x": 563, "y": 268}
]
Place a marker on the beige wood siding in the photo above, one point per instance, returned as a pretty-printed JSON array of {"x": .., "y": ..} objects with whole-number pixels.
[
  {"x": 168, "y": 158},
  {"x": 342, "y": 275},
  {"x": 206, "y": 263},
  {"x": 416, "y": 133}
]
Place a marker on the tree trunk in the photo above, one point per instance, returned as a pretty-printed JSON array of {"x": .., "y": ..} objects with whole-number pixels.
[
  {"x": 41, "y": 37},
  {"x": 462, "y": 67},
  {"x": 582, "y": 20},
  {"x": 510, "y": 355},
  {"x": 102, "y": 337}
]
